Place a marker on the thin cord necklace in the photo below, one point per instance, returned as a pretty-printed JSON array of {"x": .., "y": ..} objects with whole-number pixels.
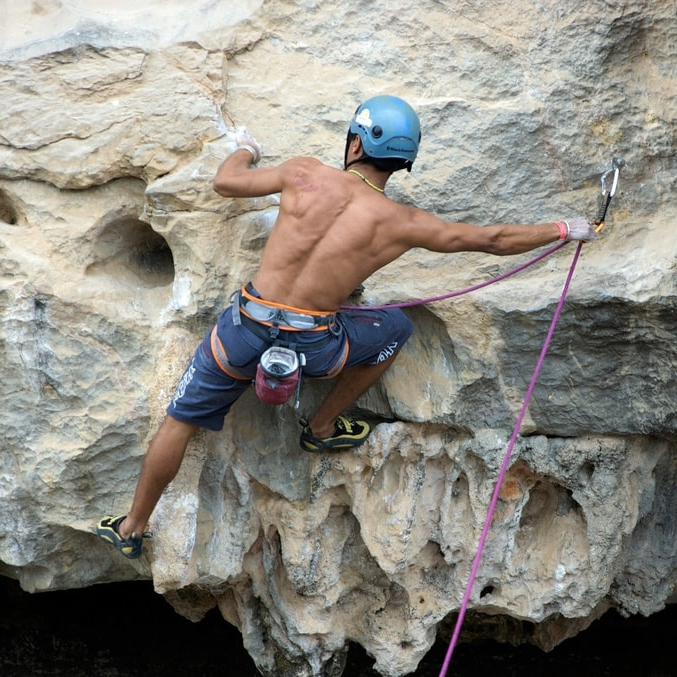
[{"x": 365, "y": 179}]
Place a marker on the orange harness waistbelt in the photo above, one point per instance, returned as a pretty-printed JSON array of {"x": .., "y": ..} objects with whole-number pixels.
[{"x": 285, "y": 318}]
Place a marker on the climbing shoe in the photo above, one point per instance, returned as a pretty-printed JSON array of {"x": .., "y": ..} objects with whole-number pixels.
[
  {"x": 107, "y": 530},
  {"x": 348, "y": 433}
]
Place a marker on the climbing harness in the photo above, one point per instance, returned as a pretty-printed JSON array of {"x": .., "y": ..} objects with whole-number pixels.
[
  {"x": 607, "y": 194},
  {"x": 279, "y": 372},
  {"x": 277, "y": 316}
]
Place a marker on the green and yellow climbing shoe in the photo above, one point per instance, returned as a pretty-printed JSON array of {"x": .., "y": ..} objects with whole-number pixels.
[
  {"x": 348, "y": 433},
  {"x": 107, "y": 530}
]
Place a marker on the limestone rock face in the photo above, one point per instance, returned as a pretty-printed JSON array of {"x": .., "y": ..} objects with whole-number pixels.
[{"x": 116, "y": 256}]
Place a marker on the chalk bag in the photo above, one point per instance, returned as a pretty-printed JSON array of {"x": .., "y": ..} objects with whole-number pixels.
[{"x": 277, "y": 374}]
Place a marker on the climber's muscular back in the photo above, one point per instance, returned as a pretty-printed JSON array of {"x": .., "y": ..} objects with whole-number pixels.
[{"x": 332, "y": 231}]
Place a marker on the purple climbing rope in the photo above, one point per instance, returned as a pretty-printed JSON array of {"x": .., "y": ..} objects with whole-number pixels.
[
  {"x": 520, "y": 418},
  {"x": 504, "y": 466},
  {"x": 486, "y": 283}
]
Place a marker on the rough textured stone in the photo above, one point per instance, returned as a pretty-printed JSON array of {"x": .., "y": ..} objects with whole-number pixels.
[{"x": 117, "y": 256}]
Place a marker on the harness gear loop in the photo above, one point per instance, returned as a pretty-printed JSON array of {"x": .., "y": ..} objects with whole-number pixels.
[{"x": 287, "y": 318}]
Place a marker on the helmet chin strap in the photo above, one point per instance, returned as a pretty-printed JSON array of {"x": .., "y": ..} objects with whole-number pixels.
[
  {"x": 347, "y": 164},
  {"x": 366, "y": 158}
]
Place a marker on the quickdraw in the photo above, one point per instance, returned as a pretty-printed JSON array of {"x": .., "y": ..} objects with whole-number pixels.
[{"x": 607, "y": 193}]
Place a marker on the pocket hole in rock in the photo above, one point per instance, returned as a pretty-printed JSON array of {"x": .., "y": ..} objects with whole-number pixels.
[
  {"x": 132, "y": 251},
  {"x": 7, "y": 212}
]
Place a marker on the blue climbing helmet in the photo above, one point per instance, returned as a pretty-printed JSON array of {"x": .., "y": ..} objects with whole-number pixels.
[{"x": 389, "y": 130}]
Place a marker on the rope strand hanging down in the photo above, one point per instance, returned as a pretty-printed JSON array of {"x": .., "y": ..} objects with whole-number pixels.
[
  {"x": 607, "y": 194},
  {"x": 504, "y": 466}
]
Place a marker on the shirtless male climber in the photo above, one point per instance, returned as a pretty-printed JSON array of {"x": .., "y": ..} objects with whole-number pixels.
[{"x": 333, "y": 230}]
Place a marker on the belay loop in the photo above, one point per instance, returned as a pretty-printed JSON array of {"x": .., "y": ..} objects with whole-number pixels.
[{"x": 607, "y": 194}]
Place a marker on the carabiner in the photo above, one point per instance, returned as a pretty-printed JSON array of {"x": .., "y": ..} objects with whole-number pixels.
[
  {"x": 612, "y": 191},
  {"x": 608, "y": 193}
]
